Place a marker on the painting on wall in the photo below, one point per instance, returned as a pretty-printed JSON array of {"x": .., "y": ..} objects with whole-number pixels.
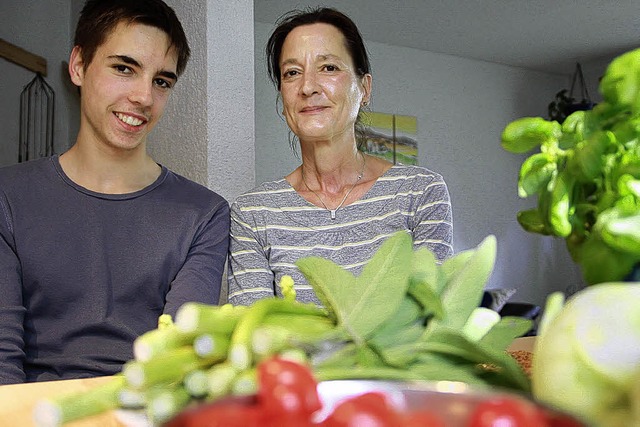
[{"x": 391, "y": 137}]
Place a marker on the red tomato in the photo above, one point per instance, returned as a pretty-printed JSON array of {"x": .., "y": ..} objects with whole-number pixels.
[
  {"x": 287, "y": 388},
  {"x": 223, "y": 414},
  {"x": 366, "y": 410},
  {"x": 421, "y": 418},
  {"x": 555, "y": 419},
  {"x": 283, "y": 421},
  {"x": 507, "y": 412}
]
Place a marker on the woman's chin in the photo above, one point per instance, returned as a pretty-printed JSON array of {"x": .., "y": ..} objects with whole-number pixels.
[{"x": 318, "y": 134}]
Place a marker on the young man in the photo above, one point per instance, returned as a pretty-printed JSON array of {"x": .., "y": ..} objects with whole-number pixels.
[{"x": 97, "y": 243}]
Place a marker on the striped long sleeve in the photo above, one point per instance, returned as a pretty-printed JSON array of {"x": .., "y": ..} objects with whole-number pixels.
[{"x": 272, "y": 227}]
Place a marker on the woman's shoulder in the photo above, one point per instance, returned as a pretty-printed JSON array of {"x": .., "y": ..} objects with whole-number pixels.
[
  {"x": 415, "y": 185},
  {"x": 411, "y": 172},
  {"x": 265, "y": 191}
]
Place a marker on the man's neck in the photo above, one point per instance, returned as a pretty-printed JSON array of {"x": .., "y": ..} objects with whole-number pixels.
[{"x": 117, "y": 172}]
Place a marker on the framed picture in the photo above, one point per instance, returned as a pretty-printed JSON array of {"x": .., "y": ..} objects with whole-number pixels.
[{"x": 391, "y": 137}]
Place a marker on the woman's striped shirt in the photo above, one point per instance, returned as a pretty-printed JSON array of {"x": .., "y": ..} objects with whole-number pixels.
[{"x": 272, "y": 227}]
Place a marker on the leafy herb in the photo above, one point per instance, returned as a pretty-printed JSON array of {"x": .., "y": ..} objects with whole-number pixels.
[
  {"x": 362, "y": 304},
  {"x": 411, "y": 315},
  {"x": 586, "y": 176}
]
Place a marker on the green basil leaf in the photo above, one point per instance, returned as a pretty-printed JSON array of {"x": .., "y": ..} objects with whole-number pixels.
[
  {"x": 560, "y": 204},
  {"x": 535, "y": 174},
  {"x": 621, "y": 232},
  {"x": 532, "y": 221},
  {"x": 527, "y": 133},
  {"x": 602, "y": 263}
]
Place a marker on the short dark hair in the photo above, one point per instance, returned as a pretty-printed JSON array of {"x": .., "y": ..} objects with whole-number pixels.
[
  {"x": 325, "y": 15},
  {"x": 99, "y": 17}
]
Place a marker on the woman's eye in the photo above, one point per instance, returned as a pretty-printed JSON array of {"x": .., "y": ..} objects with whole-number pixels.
[
  {"x": 290, "y": 73},
  {"x": 330, "y": 67}
]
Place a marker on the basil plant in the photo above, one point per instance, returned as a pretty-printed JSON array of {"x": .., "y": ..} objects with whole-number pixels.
[{"x": 585, "y": 174}]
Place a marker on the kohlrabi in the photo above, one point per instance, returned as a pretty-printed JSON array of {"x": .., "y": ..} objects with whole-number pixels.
[{"x": 587, "y": 355}]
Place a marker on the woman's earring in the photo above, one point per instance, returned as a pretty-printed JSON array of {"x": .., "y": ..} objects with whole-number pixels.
[{"x": 365, "y": 103}]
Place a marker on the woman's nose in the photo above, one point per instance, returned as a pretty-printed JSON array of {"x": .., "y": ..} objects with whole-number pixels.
[{"x": 309, "y": 83}]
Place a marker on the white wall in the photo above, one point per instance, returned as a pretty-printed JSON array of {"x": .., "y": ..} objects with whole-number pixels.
[
  {"x": 592, "y": 72},
  {"x": 207, "y": 133},
  {"x": 462, "y": 106}
]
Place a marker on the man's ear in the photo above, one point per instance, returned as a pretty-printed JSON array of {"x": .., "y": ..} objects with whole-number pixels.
[{"x": 76, "y": 66}]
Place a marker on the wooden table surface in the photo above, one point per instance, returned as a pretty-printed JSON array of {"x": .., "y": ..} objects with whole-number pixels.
[{"x": 18, "y": 400}]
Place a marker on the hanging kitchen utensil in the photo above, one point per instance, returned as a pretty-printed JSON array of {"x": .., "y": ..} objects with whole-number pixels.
[
  {"x": 564, "y": 104},
  {"x": 585, "y": 103},
  {"x": 36, "y": 120}
]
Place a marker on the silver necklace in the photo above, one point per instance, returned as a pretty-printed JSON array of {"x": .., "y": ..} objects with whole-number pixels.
[{"x": 333, "y": 211}]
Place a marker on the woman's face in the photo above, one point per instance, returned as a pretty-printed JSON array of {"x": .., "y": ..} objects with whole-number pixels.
[{"x": 321, "y": 92}]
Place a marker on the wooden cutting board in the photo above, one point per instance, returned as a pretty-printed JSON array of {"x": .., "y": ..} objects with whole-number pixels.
[
  {"x": 17, "y": 402},
  {"x": 523, "y": 343}
]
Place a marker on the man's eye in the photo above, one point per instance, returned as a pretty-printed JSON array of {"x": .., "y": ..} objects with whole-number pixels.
[
  {"x": 290, "y": 73},
  {"x": 122, "y": 69},
  {"x": 163, "y": 83},
  {"x": 330, "y": 67}
]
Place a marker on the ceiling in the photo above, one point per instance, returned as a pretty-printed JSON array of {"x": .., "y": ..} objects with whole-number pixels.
[{"x": 544, "y": 35}]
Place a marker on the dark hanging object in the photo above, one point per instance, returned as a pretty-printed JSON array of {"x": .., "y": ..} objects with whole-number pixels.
[
  {"x": 564, "y": 104},
  {"x": 36, "y": 120}
]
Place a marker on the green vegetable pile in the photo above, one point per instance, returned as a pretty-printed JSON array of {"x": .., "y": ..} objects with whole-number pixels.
[
  {"x": 403, "y": 318},
  {"x": 586, "y": 175}
]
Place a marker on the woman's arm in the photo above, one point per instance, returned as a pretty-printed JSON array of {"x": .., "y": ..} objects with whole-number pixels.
[
  {"x": 250, "y": 275},
  {"x": 433, "y": 220}
]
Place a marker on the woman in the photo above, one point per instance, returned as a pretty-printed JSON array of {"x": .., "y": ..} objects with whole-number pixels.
[{"x": 340, "y": 203}]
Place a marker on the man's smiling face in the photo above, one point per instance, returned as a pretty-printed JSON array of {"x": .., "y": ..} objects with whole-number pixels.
[{"x": 126, "y": 86}]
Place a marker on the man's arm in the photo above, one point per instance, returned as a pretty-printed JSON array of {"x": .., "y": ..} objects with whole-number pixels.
[
  {"x": 12, "y": 310},
  {"x": 200, "y": 278}
]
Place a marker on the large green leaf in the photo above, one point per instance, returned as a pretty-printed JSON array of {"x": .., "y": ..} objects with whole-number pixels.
[
  {"x": 425, "y": 283},
  {"x": 324, "y": 275},
  {"x": 463, "y": 291},
  {"x": 427, "y": 298},
  {"x": 425, "y": 268},
  {"x": 452, "y": 344},
  {"x": 505, "y": 331},
  {"x": 362, "y": 304},
  {"x": 406, "y": 317},
  {"x": 451, "y": 266}
]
